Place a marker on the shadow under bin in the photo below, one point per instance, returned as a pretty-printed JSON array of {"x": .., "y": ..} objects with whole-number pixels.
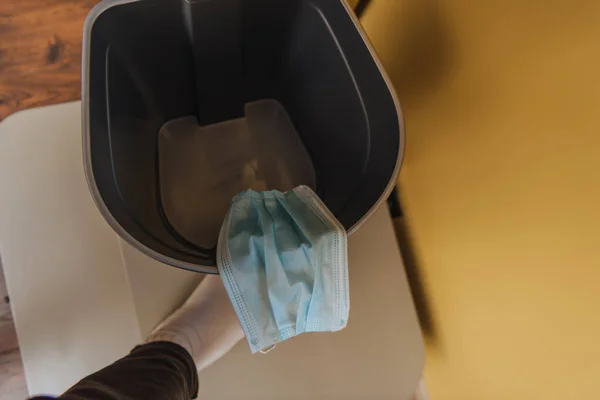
[{"x": 186, "y": 104}]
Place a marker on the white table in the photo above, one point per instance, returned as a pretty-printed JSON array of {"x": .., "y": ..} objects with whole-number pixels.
[{"x": 82, "y": 298}]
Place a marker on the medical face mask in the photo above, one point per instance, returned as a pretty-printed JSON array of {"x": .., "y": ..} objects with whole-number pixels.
[{"x": 283, "y": 260}]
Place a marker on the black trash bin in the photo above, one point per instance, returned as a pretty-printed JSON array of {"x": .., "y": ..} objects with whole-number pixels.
[{"x": 187, "y": 102}]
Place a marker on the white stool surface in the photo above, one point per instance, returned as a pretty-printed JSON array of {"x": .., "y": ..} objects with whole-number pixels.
[{"x": 82, "y": 298}]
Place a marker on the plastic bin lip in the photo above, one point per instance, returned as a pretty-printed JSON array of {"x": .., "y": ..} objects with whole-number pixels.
[{"x": 87, "y": 162}]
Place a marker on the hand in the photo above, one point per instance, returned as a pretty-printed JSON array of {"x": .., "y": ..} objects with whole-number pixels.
[{"x": 206, "y": 325}]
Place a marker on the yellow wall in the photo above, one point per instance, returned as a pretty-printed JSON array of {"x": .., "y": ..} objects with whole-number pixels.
[
  {"x": 352, "y": 3},
  {"x": 501, "y": 186}
]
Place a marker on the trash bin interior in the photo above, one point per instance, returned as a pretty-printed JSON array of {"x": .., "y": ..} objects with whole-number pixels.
[
  {"x": 190, "y": 103},
  {"x": 201, "y": 168}
]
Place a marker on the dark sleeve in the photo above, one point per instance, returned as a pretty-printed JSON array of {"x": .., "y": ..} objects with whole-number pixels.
[{"x": 160, "y": 370}]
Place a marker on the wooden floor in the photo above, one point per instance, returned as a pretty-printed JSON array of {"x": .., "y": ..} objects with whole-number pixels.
[
  {"x": 12, "y": 381},
  {"x": 40, "y": 61},
  {"x": 40, "y": 52}
]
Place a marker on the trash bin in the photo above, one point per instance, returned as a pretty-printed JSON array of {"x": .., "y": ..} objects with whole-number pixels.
[{"x": 187, "y": 103}]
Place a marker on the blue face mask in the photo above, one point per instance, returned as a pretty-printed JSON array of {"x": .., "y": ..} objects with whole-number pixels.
[{"x": 283, "y": 259}]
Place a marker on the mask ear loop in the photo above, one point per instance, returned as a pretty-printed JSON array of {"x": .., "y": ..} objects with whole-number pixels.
[{"x": 268, "y": 349}]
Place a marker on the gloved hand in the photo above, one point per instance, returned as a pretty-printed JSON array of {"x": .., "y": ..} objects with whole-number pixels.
[{"x": 205, "y": 325}]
